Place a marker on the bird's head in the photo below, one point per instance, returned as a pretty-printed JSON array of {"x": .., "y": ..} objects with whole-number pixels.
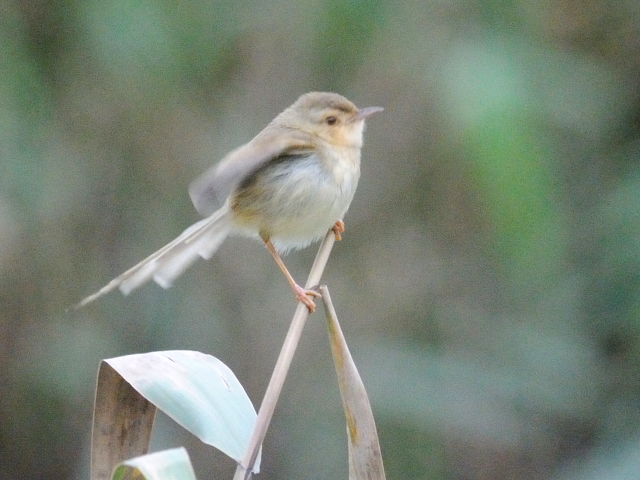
[{"x": 328, "y": 116}]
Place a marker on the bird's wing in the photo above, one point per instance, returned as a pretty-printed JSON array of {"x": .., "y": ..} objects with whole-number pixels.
[{"x": 212, "y": 188}]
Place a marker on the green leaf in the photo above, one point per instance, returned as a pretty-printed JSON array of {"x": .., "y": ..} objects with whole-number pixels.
[
  {"x": 171, "y": 464},
  {"x": 196, "y": 390}
]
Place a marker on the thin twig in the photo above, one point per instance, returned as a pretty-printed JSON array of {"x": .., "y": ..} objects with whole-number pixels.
[{"x": 243, "y": 472}]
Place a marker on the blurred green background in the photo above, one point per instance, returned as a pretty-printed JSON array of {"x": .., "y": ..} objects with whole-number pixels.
[{"x": 489, "y": 278}]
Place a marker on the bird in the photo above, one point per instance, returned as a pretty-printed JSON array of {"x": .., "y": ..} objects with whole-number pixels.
[{"x": 287, "y": 187}]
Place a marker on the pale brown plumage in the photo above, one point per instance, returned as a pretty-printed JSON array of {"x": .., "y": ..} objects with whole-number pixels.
[{"x": 288, "y": 185}]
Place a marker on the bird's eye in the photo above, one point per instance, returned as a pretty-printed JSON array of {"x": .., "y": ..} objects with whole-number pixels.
[{"x": 331, "y": 120}]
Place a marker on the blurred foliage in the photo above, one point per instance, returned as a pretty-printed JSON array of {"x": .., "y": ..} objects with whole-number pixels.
[{"x": 490, "y": 270}]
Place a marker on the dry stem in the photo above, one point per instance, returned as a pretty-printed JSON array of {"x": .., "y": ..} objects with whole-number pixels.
[{"x": 243, "y": 472}]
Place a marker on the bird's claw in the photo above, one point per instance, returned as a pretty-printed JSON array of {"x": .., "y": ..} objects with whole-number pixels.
[
  {"x": 303, "y": 294},
  {"x": 338, "y": 228}
]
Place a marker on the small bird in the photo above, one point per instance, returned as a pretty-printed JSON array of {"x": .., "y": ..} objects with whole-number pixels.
[{"x": 287, "y": 186}]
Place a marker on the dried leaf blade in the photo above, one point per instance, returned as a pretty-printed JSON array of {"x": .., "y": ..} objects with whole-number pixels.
[{"x": 365, "y": 457}]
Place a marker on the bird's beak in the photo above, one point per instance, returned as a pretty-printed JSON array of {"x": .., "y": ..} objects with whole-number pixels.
[{"x": 366, "y": 112}]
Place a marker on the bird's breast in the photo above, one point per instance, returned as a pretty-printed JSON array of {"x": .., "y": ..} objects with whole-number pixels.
[
  {"x": 344, "y": 166},
  {"x": 294, "y": 202}
]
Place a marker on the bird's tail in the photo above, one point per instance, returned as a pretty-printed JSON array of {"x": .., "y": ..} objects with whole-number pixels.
[{"x": 201, "y": 239}]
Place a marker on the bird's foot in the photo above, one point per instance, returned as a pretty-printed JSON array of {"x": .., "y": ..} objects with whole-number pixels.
[
  {"x": 303, "y": 294},
  {"x": 338, "y": 229}
]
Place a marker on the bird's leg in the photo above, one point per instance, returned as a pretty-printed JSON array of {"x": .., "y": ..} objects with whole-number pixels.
[
  {"x": 338, "y": 228},
  {"x": 302, "y": 294}
]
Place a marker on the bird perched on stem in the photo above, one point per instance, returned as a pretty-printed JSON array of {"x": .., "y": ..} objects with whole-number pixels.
[{"x": 287, "y": 186}]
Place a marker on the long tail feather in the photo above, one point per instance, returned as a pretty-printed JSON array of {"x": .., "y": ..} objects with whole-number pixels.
[{"x": 201, "y": 239}]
